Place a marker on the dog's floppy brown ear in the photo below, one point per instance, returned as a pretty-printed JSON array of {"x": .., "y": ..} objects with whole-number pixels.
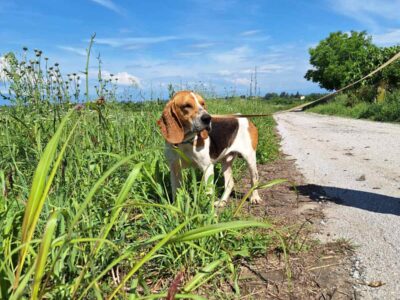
[{"x": 171, "y": 127}]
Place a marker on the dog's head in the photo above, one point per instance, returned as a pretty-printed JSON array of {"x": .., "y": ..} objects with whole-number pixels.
[{"x": 184, "y": 115}]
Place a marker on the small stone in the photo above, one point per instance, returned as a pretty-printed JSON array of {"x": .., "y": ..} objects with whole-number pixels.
[{"x": 361, "y": 178}]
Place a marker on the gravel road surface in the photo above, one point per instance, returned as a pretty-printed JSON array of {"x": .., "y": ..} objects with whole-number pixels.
[{"x": 357, "y": 164}]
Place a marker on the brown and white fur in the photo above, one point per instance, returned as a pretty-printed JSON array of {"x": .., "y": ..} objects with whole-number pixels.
[{"x": 186, "y": 125}]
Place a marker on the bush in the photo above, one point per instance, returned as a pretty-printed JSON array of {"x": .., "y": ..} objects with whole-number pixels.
[
  {"x": 350, "y": 105},
  {"x": 388, "y": 110}
]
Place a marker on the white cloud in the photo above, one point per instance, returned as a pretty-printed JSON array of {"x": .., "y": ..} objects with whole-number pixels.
[
  {"x": 194, "y": 53},
  {"x": 234, "y": 56},
  {"x": 250, "y": 32},
  {"x": 202, "y": 45},
  {"x": 370, "y": 12},
  {"x": 391, "y": 37},
  {"x": 224, "y": 72},
  {"x": 279, "y": 68},
  {"x": 79, "y": 51},
  {"x": 134, "y": 42},
  {"x": 273, "y": 68},
  {"x": 109, "y": 5},
  {"x": 241, "y": 81},
  {"x": 124, "y": 78}
]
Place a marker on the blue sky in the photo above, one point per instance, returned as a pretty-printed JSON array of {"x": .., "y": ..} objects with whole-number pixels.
[{"x": 216, "y": 42}]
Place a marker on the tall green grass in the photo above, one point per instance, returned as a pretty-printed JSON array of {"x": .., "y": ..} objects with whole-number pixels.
[
  {"x": 352, "y": 106},
  {"x": 85, "y": 200}
]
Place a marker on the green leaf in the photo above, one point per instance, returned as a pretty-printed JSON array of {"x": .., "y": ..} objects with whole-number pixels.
[{"x": 41, "y": 258}]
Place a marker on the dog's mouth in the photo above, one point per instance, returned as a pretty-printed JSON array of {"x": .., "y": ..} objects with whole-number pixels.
[{"x": 200, "y": 127}]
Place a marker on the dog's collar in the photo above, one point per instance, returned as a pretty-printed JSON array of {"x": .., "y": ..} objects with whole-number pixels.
[{"x": 189, "y": 141}]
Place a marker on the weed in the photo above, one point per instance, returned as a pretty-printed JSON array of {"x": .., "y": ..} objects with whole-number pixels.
[
  {"x": 355, "y": 107},
  {"x": 85, "y": 209}
]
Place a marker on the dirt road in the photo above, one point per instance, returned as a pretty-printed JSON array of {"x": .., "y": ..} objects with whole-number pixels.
[{"x": 357, "y": 164}]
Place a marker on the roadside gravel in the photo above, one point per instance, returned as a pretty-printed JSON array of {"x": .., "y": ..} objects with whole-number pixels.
[{"x": 357, "y": 165}]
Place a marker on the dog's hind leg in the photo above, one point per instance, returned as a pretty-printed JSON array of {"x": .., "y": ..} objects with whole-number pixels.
[{"x": 252, "y": 164}]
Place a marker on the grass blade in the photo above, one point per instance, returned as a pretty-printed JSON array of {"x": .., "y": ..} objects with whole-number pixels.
[
  {"x": 189, "y": 286},
  {"x": 42, "y": 254},
  {"x": 40, "y": 187},
  {"x": 149, "y": 255},
  {"x": 177, "y": 296},
  {"x": 257, "y": 187},
  {"x": 114, "y": 215},
  {"x": 209, "y": 230}
]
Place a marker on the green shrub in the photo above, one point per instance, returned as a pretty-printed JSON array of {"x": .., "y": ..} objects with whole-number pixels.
[{"x": 351, "y": 106}]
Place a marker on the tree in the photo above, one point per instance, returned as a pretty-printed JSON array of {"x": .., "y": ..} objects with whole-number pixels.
[
  {"x": 389, "y": 77},
  {"x": 284, "y": 95},
  {"x": 343, "y": 58},
  {"x": 269, "y": 96}
]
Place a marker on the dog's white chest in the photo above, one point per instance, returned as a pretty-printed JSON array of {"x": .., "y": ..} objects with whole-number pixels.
[{"x": 199, "y": 156}]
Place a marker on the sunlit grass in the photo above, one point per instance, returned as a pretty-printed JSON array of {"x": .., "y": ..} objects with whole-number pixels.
[{"x": 85, "y": 195}]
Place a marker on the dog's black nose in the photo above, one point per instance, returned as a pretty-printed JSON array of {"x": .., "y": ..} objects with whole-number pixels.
[{"x": 206, "y": 118}]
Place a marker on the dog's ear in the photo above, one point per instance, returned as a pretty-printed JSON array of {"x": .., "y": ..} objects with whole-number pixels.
[{"x": 171, "y": 127}]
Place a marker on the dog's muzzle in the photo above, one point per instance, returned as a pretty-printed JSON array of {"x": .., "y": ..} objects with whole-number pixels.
[{"x": 202, "y": 122}]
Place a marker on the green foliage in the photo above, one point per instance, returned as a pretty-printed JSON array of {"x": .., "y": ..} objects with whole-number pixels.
[
  {"x": 84, "y": 193},
  {"x": 390, "y": 76},
  {"x": 343, "y": 58},
  {"x": 33, "y": 80},
  {"x": 350, "y": 105},
  {"x": 104, "y": 174},
  {"x": 108, "y": 183}
]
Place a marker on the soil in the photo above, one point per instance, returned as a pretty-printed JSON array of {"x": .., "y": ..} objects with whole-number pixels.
[
  {"x": 318, "y": 271},
  {"x": 356, "y": 164}
]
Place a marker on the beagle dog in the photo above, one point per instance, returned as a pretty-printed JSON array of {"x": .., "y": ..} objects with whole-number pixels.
[{"x": 187, "y": 127}]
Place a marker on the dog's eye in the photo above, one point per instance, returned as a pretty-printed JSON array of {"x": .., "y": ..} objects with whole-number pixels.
[{"x": 187, "y": 105}]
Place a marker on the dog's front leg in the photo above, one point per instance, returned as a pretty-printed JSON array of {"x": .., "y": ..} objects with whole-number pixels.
[{"x": 228, "y": 179}]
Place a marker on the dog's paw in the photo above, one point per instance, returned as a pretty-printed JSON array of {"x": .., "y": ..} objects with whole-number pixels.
[
  {"x": 220, "y": 203},
  {"x": 255, "y": 200}
]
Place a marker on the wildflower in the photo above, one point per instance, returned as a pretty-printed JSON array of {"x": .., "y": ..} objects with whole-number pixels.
[
  {"x": 101, "y": 101},
  {"x": 79, "y": 107}
]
